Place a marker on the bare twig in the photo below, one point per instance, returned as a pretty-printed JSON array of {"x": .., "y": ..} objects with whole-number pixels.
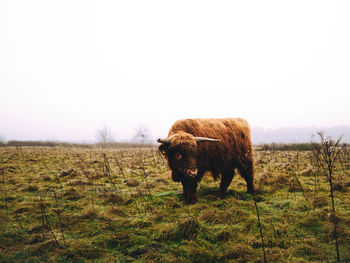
[
  {"x": 326, "y": 154},
  {"x": 55, "y": 175}
]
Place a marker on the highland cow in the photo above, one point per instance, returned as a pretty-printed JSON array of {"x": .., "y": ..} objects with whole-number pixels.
[{"x": 219, "y": 146}]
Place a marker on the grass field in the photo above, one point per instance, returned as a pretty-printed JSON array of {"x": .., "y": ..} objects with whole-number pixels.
[{"x": 73, "y": 204}]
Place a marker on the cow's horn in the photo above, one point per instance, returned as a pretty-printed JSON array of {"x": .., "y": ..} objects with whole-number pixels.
[
  {"x": 205, "y": 139},
  {"x": 165, "y": 141}
]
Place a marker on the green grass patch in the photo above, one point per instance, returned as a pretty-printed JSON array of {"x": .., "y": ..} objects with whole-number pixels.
[{"x": 131, "y": 211}]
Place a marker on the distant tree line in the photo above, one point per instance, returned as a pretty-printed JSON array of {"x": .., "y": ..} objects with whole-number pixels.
[
  {"x": 104, "y": 136},
  {"x": 15, "y": 143},
  {"x": 272, "y": 139},
  {"x": 285, "y": 147},
  {"x": 297, "y": 134}
]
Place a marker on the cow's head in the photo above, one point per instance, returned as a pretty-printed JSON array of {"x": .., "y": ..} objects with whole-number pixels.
[{"x": 180, "y": 149}]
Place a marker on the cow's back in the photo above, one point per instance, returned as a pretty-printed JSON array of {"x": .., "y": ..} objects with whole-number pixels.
[{"x": 234, "y": 136}]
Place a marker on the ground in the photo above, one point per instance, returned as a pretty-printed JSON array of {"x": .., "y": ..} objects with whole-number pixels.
[{"x": 73, "y": 204}]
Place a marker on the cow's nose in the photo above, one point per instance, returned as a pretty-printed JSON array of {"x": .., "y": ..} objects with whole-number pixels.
[{"x": 192, "y": 172}]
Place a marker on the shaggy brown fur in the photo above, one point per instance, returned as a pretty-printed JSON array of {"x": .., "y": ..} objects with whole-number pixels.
[{"x": 189, "y": 160}]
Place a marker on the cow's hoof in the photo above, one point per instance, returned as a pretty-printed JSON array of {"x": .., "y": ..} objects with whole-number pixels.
[{"x": 190, "y": 202}]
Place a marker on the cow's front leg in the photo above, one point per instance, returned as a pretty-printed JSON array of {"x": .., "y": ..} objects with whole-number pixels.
[{"x": 189, "y": 190}]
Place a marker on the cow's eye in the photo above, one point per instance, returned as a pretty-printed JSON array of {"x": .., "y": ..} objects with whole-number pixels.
[
  {"x": 178, "y": 156},
  {"x": 163, "y": 152}
]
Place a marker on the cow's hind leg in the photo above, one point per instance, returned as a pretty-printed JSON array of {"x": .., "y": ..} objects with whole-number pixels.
[
  {"x": 246, "y": 169},
  {"x": 225, "y": 182}
]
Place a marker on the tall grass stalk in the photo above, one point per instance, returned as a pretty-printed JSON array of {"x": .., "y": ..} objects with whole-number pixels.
[
  {"x": 144, "y": 177},
  {"x": 260, "y": 228},
  {"x": 58, "y": 211},
  {"x": 108, "y": 172},
  {"x": 296, "y": 178},
  {"x": 45, "y": 220},
  {"x": 5, "y": 191},
  {"x": 129, "y": 188}
]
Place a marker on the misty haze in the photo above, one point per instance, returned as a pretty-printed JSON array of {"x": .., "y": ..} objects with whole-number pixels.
[{"x": 115, "y": 65}]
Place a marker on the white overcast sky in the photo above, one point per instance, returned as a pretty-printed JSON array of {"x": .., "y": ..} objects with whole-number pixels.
[{"x": 67, "y": 68}]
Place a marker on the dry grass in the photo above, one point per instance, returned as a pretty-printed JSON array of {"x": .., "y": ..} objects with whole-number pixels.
[{"x": 132, "y": 211}]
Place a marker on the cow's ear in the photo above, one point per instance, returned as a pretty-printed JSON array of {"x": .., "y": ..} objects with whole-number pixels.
[{"x": 163, "y": 149}]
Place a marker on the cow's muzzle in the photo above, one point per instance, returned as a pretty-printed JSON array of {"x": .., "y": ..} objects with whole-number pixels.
[
  {"x": 181, "y": 173},
  {"x": 192, "y": 172},
  {"x": 189, "y": 171}
]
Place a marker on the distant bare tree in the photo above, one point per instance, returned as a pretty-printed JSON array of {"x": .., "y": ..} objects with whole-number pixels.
[
  {"x": 142, "y": 135},
  {"x": 104, "y": 135}
]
